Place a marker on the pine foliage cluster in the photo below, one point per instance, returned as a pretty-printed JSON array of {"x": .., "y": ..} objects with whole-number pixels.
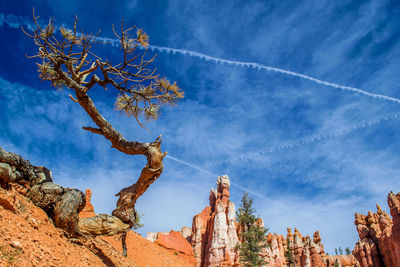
[
  {"x": 289, "y": 254},
  {"x": 253, "y": 235}
]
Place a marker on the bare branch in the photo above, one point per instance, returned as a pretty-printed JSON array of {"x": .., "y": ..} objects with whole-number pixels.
[
  {"x": 73, "y": 99},
  {"x": 93, "y": 130}
]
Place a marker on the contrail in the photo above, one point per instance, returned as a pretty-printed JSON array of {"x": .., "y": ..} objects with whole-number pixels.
[
  {"x": 192, "y": 166},
  {"x": 341, "y": 132},
  {"x": 317, "y": 138},
  {"x": 215, "y": 175},
  {"x": 269, "y": 68},
  {"x": 249, "y": 191},
  {"x": 16, "y": 21},
  {"x": 301, "y": 142}
]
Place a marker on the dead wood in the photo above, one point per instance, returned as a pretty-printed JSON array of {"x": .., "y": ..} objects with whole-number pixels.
[{"x": 102, "y": 224}]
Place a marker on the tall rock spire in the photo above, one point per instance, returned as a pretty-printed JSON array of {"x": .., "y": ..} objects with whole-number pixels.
[{"x": 214, "y": 236}]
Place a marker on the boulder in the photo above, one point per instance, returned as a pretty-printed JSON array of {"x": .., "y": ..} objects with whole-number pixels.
[{"x": 175, "y": 241}]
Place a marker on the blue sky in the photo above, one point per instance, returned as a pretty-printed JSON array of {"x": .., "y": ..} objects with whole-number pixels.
[{"x": 310, "y": 154}]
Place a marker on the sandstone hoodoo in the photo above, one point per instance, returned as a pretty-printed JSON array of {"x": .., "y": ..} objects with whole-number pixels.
[
  {"x": 215, "y": 232},
  {"x": 213, "y": 236},
  {"x": 88, "y": 209},
  {"x": 379, "y": 234}
]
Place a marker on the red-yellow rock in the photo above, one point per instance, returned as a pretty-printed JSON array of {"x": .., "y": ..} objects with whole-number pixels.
[
  {"x": 146, "y": 253},
  {"x": 88, "y": 210},
  {"x": 200, "y": 231},
  {"x": 379, "y": 243},
  {"x": 214, "y": 234},
  {"x": 175, "y": 241},
  {"x": 341, "y": 260}
]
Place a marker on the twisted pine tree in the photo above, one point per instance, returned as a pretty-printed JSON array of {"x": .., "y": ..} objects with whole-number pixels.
[
  {"x": 67, "y": 59},
  {"x": 252, "y": 235}
]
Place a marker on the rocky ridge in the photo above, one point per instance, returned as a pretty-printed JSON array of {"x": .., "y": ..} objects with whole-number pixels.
[{"x": 28, "y": 237}]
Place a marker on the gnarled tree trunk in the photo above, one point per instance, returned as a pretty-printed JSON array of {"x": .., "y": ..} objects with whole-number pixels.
[
  {"x": 127, "y": 197},
  {"x": 61, "y": 204}
]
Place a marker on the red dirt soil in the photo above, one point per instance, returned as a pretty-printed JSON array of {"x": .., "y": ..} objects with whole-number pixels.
[
  {"x": 29, "y": 238},
  {"x": 146, "y": 253}
]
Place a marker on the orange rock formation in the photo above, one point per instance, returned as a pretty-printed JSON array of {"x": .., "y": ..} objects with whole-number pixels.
[
  {"x": 148, "y": 254},
  {"x": 88, "y": 210},
  {"x": 379, "y": 243},
  {"x": 214, "y": 235},
  {"x": 175, "y": 240}
]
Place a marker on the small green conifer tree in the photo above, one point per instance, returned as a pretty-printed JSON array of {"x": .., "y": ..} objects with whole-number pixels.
[
  {"x": 289, "y": 255},
  {"x": 253, "y": 235}
]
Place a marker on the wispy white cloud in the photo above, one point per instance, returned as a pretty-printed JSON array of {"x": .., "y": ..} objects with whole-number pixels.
[
  {"x": 15, "y": 21},
  {"x": 331, "y": 134}
]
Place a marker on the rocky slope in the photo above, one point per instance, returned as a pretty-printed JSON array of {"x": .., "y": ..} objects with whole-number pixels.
[{"x": 29, "y": 238}]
